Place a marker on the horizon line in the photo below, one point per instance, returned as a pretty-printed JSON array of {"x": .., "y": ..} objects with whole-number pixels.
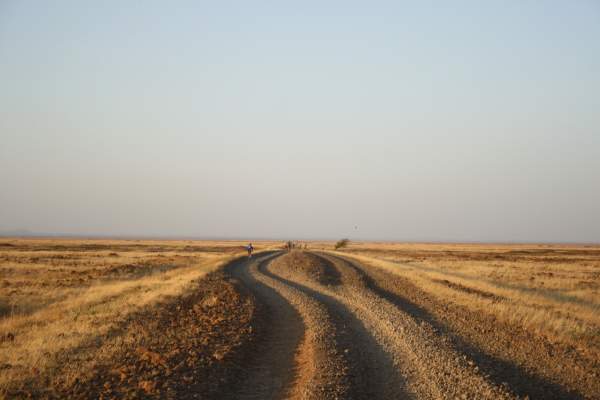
[{"x": 24, "y": 234}]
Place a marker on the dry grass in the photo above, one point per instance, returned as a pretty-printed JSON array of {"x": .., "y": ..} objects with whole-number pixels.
[
  {"x": 552, "y": 290},
  {"x": 68, "y": 301},
  {"x": 62, "y": 299}
]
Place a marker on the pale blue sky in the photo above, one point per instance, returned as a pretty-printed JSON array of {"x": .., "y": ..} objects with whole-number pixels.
[{"x": 411, "y": 120}]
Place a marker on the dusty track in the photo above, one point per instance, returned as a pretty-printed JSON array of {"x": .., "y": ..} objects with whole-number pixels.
[
  {"x": 337, "y": 357},
  {"x": 339, "y": 330}
]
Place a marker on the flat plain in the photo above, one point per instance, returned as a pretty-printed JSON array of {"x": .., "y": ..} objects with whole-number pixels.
[{"x": 199, "y": 319}]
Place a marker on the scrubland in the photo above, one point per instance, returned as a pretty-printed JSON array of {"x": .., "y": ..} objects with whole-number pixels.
[
  {"x": 116, "y": 319},
  {"x": 553, "y": 290},
  {"x": 60, "y": 299}
]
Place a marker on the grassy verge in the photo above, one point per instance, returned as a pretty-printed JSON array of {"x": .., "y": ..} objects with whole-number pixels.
[
  {"x": 556, "y": 296},
  {"x": 63, "y": 301}
]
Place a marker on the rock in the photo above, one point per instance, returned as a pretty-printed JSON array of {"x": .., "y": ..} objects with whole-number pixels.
[
  {"x": 151, "y": 356},
  {"x": 147, "y": 386}
]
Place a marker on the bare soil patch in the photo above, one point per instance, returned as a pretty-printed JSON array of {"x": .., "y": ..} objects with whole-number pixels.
[{"x": 196, "y": 344}]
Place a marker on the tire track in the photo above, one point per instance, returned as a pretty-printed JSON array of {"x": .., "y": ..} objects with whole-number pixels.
[
  {"x": 337, "y": 357},
  {"x": 500, "y": 368},
  {"x": 322, "y": 367},
  {"x": 370, "y": 371},
  {"x": 272, "y": 370},
  {"x": 346, "y": 338},
  {"x": 317, "y": 368},
  {"x": 433, "y": 368}
]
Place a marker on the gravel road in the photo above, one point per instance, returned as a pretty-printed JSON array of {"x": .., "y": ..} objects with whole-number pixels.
[{"x": 340, "y": 330}]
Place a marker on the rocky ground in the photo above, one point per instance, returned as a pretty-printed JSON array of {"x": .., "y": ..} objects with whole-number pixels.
[{"x": 317, "y": 326}]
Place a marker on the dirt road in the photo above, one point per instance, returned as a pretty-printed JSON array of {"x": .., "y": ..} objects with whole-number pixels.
[
  {"x": 339, "y": 330},
  {"x": 305, "y": 325}
]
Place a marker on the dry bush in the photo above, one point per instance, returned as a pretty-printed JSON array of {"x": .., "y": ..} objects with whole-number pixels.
[{"x": 340, "y": 244}]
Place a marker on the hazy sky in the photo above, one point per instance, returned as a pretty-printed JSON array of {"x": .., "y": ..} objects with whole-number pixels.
[{"x": 410, "y": 120}]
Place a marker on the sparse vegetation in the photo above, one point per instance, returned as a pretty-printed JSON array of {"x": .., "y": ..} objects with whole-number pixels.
[
  {"x": 340, "y": 244},
  {"x": 57, "y": 297},
  {"x": 78, "y": 319},
  {"x": 550, "y": 290}
]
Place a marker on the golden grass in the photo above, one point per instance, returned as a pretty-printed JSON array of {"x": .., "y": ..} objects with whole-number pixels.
[
  {"x": 63, "y": 298},
  {"x": 70, "y": 299},
  {"x": 552, "y": 290}
]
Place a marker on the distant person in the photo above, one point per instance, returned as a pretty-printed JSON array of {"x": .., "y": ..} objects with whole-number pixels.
[{"x": 250, "y": 249}]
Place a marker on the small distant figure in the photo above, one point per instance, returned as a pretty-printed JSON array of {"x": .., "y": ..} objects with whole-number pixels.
[{"x": 250, "y": 249}]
